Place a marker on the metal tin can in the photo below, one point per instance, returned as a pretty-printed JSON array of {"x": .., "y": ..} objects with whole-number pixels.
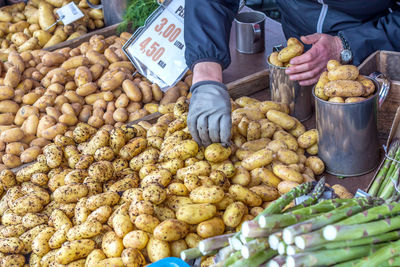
[
  {"x": 290, "y": 92},
  {"x": 348, "y": 135}
]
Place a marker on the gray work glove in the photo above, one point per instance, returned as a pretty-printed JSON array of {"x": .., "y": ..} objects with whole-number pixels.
[{"x": 209, "y": 119}]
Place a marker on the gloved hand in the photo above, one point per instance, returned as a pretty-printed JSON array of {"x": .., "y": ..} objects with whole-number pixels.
[{"x": 209, "y": 119}]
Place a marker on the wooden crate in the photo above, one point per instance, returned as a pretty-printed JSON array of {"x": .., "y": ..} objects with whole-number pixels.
[{"x": 386, "y": 62}]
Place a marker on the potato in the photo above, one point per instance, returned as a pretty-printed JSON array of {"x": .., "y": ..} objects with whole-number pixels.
[
  {"x": 354, "y": 99},
  {"x": 132, "y": 90},
  {"x": 106, "y": 198},
  {"x": 281, "y": 119},
  {"x": 294, "y": 48},
  {"x": 70, "y": 193},
  {"x": 207, "y": 194},
  {"x": 233, "y": 214},
  {"x": 7, "y": 179},
  {"x": 132, "y": 258},
  {"x": 133, "y": 148},
  {"x": 136, "y": 239},
  {"x": 344, "y": 88},
  {"x": 273, "y": 59},
  {"x": 315, "y": 164},
  {"x": 12, "y": 260},
  {"x": 5, "y": 16},
  {"x": 40, "y": 245},
  {"x": 53, "y": 154},
  {"x": 243, "y": 194},
  {"x": 368, "y": 85},
  {"x": 267, "y": 193},
  {"x": 287, "y": 156},
  {"x": 46, "y": 16},
  {"x": 319, "y": 87},
  {"x": 242, "y": 176},
  {"x": 11, "y": 245},
  {"x": 154, "y": 193},
  {"x": 74, "y": 250},
  {"x": 6, "y": 118},
  {"x": 343, "y": 72},
  {"x": 286, "y": 173},
  {"x": 341, "y": 191},
  {"x": 195, "y": 213},
  {"x": 217, "y": 153},
  {"x": 88, "y": 229},
  {"x": 258, "y": 159},
  {"x": 183, "y": 150},
  {"x": 332, "y": 64},
  {"x": 177, "y": 247},
  {"x": 75, "y": 62},
  {"x": 146, "y": 222},
  {"x": 171, "y": 230},
  {"x": 192, "y": 240},
  {"x": 96, "y": 256},
  {"x": 336, "y": 99},
  {"x": 157, "y": 249},
  {"x": 112, "y": 245},
  {"x": 286, "y": 186},
  {"x": 212, "y": 227},
  {"x": 308, "y": 139}
]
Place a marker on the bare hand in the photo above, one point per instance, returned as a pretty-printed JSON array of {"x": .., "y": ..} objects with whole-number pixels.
[{"x": 308, "y": 67}]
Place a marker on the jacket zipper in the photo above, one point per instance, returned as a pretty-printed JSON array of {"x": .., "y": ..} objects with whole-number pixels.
[{"x": 322, "y": 16}]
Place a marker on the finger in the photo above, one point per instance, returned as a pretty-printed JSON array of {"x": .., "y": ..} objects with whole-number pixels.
[
  {"x": 213, "y": 123},
  {"x": 225, "y": 132},
  {"x": 310, "y": 39},
  {"x": 311, "y": 74},
  {"x": 308, "y": 56},
  {"x": 308, "y": 82},
  {"x": 202, "y": 128},
  {"x": 301, "y": 68},
  {"x": 192, "y": 125}
]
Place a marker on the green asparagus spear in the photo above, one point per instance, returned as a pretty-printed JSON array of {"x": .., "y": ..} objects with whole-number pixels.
[
  {"x": 346, "y": 232},
  {"x": 384, "y": 253},
  {"x": 329, "y": 257},
  {"x": 256, "y": 260},
  {"x": 389, "y": 188},
  {"x": 215, "y": 242},
  {"x": 373, "y": 191},
  {"x": 318, "y": 190},
  {"x": 395, "y": 261},
  {"x": 290, "y": 232},
  {"x": 389, "y": 174},
  {"x": 236, "y": 256}
]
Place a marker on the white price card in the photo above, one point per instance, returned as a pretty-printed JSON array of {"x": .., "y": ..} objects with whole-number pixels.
[
  {"x": 69, "y": 13},
  {"x": 158, "y": 50}
]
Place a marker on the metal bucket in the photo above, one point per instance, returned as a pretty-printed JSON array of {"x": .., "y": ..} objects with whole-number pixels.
[
  {"x": 113, "y": 10},
  {"x": 348, "y": 135},
  {"x": 290, "y": 92},
  {"x": 250, "y": 32}
]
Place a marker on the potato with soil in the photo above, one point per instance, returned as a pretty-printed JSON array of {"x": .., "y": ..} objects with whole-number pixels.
[{"x": 171, "y": 230}]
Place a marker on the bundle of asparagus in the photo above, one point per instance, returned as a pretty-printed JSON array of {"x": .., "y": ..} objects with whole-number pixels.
[
  {"x": 388, "y": 175},
  {"x": 347, "y": 232}
]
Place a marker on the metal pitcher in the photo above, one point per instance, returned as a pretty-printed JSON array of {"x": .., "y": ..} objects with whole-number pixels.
[
  {"x": 113, "y": 10},
  {"x": 348, "y": 135},
  {"x": 290, "y": 92},
  {"x": 250, "y": 32}
]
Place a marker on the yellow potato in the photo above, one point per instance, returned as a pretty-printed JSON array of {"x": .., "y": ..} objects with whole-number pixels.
[
  {"x": 157, "y": 249},
  {"x": 267, "y": 193},
  {"x": 313, "y": 150},
  {"x": 40, "y": 245},
  {"x": 74, "y": 250},
  {"x": 286, "y": 173},
  {"x": 133, "y": 148},
  {"x": 273, "y": 59},
  {"x": 192, "y": 240},
  {"x": 354, "y": 99},
  {"x": 211, "y": 227},
  {"x": 344, "y": 88},
  {"x": 195, "y": 213},
  {"x": 161, "y": 176},
  {"x": 207, "y": 194},
  {"x": 286, "y": 186},
  {"x": 281, "y": 119},
  {"x": 369, "y": 85},
  {"x": 243, "y": 194},
  {"x": 136, "y": 239},
  {"x": 308, "y": 138},
  {"x": 332, "y": 64},
  {"x": 294, "y": 48},
  {"x": 315, "y": 164},
  {"x": 46, "y": 16},
  {"x": 11, "y": 245},
  {"x": 146, "y": 222},
  {"x": 233, "y": 214},
  {"x": 343, "y": 72},
  {"x": 258, "y": 159},
  {"x": 319, "y": 87},
  {"x": 341, "y": 191},
  {"x": 336, "y": 99},
  {"x": 112, "y": 245},
  {"x": 96, "y": 256},
  {"x": 106, "y": 198},
  {"x": 171, "y": 230},
  {"x": 132, "y": 258}
]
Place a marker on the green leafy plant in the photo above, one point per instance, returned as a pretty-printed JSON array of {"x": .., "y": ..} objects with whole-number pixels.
[{"x": 137, "y": 13}]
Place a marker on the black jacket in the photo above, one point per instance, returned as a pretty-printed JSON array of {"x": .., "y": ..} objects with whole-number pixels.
[{"x": 368, "y": 25}]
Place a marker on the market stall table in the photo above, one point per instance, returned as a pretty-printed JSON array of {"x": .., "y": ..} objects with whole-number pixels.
[{"x": 247, "y": 64}]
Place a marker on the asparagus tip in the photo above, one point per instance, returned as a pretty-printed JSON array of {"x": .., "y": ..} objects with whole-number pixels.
[
  {"x": 291, "y": 250},
  {"x": 245, "y": 252},
  {"x": 273, "y": 241},
  {"x": 262, "y": 221},
  {"x": 330, "y": 232},
  {"x": 288, "y": 236},
  {"x": 299, "y": 241},
  {"x": 290, "y": 262},
  {"x": 281, "y": 248}
]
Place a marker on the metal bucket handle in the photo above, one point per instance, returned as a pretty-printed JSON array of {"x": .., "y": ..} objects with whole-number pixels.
[
  {"x": 94, "y": 6},
  {"x": 385, "y": 87}
]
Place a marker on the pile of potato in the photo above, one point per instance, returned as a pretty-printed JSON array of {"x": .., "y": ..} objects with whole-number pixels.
[
  {"x": 137, "y": 194},
  {"x": 293, "y": 49},
  {"x": 343, "y": 84},
  {"x": 24, "y": 27},
  {"x": 43, "y": 94}
]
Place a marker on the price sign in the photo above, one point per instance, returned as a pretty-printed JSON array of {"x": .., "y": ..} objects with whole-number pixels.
[
  {"x": 69, "y": 13},
  {"x": 158, "y": 49}
]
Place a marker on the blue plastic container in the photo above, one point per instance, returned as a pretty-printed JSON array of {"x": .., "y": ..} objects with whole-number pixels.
[{"x": 170, "y": 262}]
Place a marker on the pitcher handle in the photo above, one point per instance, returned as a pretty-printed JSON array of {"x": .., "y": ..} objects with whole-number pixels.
[
  {"x": 257, "y": 32},
  {"x": 94, "y": 6},
  {"x": 385, "y": 87}
]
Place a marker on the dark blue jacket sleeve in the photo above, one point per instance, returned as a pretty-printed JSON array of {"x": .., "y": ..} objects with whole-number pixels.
[
  {"x": 207, "y": 30},
  {"x": 381, "y": 34}
]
